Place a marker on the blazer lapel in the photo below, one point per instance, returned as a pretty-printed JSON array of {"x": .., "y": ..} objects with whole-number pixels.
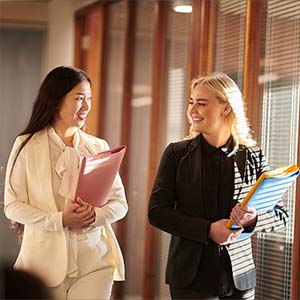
[
  {"x": 194, "y": 160},
  {"x": 189, "y": 167},
  {"x": 243, "y": 181},
  {"x": 42, "y": 163}
]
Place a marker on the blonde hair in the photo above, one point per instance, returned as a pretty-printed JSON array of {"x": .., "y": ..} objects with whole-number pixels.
[{"x": 227, "y": 91}]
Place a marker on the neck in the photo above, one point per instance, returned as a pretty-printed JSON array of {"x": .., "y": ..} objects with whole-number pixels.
[
  {"x": 217, "y": 140},
  {"x": 66, "y": 134}
]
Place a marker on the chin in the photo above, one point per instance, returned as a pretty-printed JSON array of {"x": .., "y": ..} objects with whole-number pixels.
[
  {"x": 197, "y": 129},
  {"x": 80, "y": 123}
]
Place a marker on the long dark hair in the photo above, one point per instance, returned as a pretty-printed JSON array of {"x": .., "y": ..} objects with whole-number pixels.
[{"x": 58, "y": 82}]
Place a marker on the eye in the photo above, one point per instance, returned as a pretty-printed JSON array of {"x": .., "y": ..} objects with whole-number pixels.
[{"x": 79, "y": 98}]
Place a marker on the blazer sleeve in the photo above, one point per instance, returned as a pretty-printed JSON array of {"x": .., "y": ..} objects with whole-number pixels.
[
  {"x": 17, "y": 206},
  {"x": 277, "y": 218},
  {"x": 162, "y": 212},
  {"x": 116, "y": 207}
]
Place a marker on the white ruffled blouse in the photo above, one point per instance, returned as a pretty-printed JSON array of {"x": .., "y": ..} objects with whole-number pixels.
[{"x": 65, "y": 163}]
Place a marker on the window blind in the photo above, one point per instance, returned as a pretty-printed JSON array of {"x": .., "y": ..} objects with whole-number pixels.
[
  {"x": 230, "y": 33},
  {"x": 279, "y": 82},
  {"x": 279, "y": 79},
  {"x": 176, "y": 60}
]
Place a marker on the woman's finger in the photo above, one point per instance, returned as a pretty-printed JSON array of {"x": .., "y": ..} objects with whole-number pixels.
[
  {"x": 80, "y": 209},
  {"x": 89, "y": 221}
]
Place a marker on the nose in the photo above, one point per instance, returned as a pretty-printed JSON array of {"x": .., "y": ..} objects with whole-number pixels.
[
  {"x": 192, "y": 107},
  {"x": 86, "y": 104}
]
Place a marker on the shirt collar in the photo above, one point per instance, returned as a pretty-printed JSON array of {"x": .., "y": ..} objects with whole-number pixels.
[
  {"x": 58, "y": 141},
  {"x": 209, "y": 149}
]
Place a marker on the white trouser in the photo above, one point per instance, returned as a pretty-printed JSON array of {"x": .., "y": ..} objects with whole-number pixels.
[{"x": 95, "y": 285}]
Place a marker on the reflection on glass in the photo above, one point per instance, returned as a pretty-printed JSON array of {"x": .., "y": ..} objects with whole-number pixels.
[
  {"x": 176, "y": 98},
  {"x": 115, "y": 64},
  {"x": 138, "y": 150}
]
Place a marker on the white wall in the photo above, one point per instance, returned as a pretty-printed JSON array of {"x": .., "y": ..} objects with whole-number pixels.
[
  {"x": 16, "y": 12},
  {"x": 60, "y": 43},
  {"x": 57, "y": 16}
]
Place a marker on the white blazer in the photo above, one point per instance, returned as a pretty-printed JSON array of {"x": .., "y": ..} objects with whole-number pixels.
[{"x": 29, "y": 200}]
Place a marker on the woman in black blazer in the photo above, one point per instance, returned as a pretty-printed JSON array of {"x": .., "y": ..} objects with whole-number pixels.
[{"x": 198, "y": 187}]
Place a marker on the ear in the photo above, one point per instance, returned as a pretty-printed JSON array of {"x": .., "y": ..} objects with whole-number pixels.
[{"x": 227, "y": 109}]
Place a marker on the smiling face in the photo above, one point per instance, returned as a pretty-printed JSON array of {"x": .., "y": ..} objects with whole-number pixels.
[
  {"x": 74, "y": 109},
  {"x": 208, "y": 113}
]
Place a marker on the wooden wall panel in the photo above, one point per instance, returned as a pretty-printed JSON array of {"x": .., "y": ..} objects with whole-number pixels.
[
  {"x": 207, "y": 30},
  {"x": 194, "y": 42},
  {"x": 89, "y": 34},
  {"x": 79, "y": 32},
  {"x": 202, "y": 40},
  {"x": 251, "y": 63},
  {"x": 157, "y": 137},
  {"x": 121, "y": 232},
  {"x": 93, "y": 66}
]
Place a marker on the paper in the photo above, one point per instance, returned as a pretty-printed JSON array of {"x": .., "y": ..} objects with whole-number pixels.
[
  {"x": 267, "y": 191},
  {"x": 97, "y": 175}
]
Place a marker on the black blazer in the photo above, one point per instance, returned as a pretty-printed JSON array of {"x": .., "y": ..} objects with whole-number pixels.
[{"x": 175, "y": 207}]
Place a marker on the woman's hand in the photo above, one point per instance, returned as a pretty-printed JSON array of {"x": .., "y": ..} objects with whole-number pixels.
[
  {"x": 243, "y": 215},
  {"x": 79, "y": 214},
  {"x": 221, "y": 234}
]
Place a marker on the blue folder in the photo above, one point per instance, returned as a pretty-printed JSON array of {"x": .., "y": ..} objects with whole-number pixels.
[{"x": 267, "y": 191}]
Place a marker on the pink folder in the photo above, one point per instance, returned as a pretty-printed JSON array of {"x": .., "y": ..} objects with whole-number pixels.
[{"x": 97, "y": 175}]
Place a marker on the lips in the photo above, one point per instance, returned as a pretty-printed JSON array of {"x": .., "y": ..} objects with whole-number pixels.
[
  {"x": 82, "y": 116},
  {"x": 198, "y": 119}
]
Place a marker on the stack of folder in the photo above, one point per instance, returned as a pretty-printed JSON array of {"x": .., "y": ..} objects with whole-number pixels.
[{"x": 267, "y": 191}]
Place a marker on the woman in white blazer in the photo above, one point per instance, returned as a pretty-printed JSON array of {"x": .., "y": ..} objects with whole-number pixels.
[{"x": 70, "y": 245}]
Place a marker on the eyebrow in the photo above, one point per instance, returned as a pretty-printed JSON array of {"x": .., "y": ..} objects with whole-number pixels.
[
  {"x": 79, "y": 93},
  {"x": 199, "y": 99}
]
